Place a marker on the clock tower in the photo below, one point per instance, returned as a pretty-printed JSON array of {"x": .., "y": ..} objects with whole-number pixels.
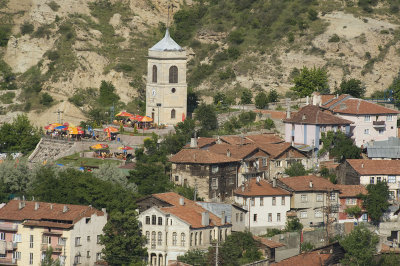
[{"x": 166, "y": 88}]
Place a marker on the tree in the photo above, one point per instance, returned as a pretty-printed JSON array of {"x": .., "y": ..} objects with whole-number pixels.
[
  {"x": 194, "y": 257},
  {"x": 46, "y": 99},
  {"x": 173, "y": 143},
  {"x": 122, "y": 239},
  {"x": 48, "y": 260},
  {"x": 293, "y": 225},
  {"x": 19, "y": 136},
  {"x": 261, "y": 100},
  {"x": 15, "y": 176},
  {"x": 207, "y": 118},
  {"x": 339, "y": 146},
  {"x": 107, "y": 94},
  {"x": 273, "y": 96},
  {"x": 219, "y": 98},
  {"x": 111, "y": 173},
  {"x": 360, "y": 246},
  {"x": 192, "y": 101},
  {"x": 310, "y": 80},
  {"x": 296, "y": 169},
  {"x": 269, "y": 124},
  {"x": 355, "y": 211},
  {"x": 391, "y": 259},
  {"x": 246, "y": 97},
  {"x": 239, "y": 248},
  {"x": 376, "y": 201},
  {"x": 353, "y": 87}
]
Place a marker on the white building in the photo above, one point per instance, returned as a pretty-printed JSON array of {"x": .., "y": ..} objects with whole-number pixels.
[
  {"x": 266, "y": 205},
  {"x": 174, "y": 225},
  {"x": 166, "y": 89}
]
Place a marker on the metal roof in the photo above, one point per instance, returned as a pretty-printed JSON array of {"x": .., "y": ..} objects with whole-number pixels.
[
  {"x": 217, "y": 209},
  {"x": 384, "y": 149},
  {"x": 166, "y": 44}
]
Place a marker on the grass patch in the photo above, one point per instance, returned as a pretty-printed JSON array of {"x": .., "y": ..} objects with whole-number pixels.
[
  {"x": 7, "y": 98},
  {"x": 76, "y": 161}
]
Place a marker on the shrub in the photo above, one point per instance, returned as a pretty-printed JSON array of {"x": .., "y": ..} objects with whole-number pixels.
[
  {"x": 227, "y": 74},
  {"x": 236, "y": 37},
  {"x": 7, "y": 97},
  {"x": 123, "y": 68},
  {"x": 53, "y": 55},
  {"x": 247, "y": 117},
  {"x": 306, "y": 246},
  {"x": 246, "y": 97},
  {"x": 5, "y": 32},
  {"x": 26, "y": 28},
  {"x": 54, "y": 6},
  {"x": 273, "y": 96},
  {"x": 233, "y": 52},
  {"x": 261, "y": 100},
  {"x": 334, "y": 38},
  {"x": 41, "y": 32},
  {"x": 269, "y": 124},
  {"x": 312, "y": 14},
  {"x": 219, "y": 97},
  {"x": 46, "y": 99}
]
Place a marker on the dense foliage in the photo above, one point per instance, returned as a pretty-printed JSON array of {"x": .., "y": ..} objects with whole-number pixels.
[
  {"x": 296, "y": 169},
  {"x": 376, "y": 201},
  {"x": 206, "y": 116},
  {"x": 311, "y": 80},
  {"x": 339, "y": 146},
  {"x": 354, "y": 87}
]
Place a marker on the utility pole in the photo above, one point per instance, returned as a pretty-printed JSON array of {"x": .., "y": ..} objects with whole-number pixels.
[
  {"x": 195, "y": 192},
  {"x": 59, "y": 112},
  {"x": 158, "y": 116},
  {"x": 216, "y": 252}
]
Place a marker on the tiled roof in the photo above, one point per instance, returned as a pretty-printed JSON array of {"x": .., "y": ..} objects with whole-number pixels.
[
  {"x": 275, "y": 149},
  {"x": 262, "y": 188},
  {"x": 333, "y": 100},
  {"x": 375, "y": 167},
  {"x": 279, "y": 115},
  {"x": 235, "y": 140},
  {"x": 236, "y": 151},
  {"x": 327, "y": 97},
  {"x": 201, "y": 142},
  {"x": 267, "y": 242},
  {"x": 361, "y": 107},
  {"x": 190, "y": 212},
  {"x": 46, "y": 211},
  {"x": 302, "y": 183},
  {"x": 260, "y": 139},
  {"x": 351, "y": 190},
  {"x": 47, "y": 224},
  {"x": 314, "y": 258},
  {"x": 312, "y": 114},
  {"x": 200, "y": 156}
]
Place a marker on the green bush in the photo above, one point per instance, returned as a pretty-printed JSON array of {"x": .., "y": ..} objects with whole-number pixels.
[
  {"x": 246, "y": 97},
  {"x": 5, "y": 31},
  {"x": 247, "y": 117},
  {"x": 269, "y": 124},
  {"x": 233, "y": 52},
  {"x": 54, "y": 6},
  {"x": 27, "y": 28},
  {"x": 261, "y": 100},
  {"x": 42, "y": 31},
  {"x": 273, "y": 96},
  {"x": 123, "y": 68},
  {"x": 7, "y": 97},
  {"x": 46, "y": 99},
  {"x": 334, "y": 38},
  {"x": 312, "y": 14},
  {"x": 236, "y": 37},
  {"x": 227, "y": 74},
  {"x": 53, "y": 55}
]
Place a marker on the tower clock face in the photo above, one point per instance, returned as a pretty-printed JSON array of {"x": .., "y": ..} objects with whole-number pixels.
[{"x": 153, "y": 92}]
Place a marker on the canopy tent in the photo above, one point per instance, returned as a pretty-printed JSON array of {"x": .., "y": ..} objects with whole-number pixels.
[
  {"x": 111, "y": 129},
  {"x": 52, "y": 126},
  {"x": 125, "y": 148},
  {"x": 99, "y": 146},
  {"x": 146, "y": 119},
  {"x": 124, "y": 114}
]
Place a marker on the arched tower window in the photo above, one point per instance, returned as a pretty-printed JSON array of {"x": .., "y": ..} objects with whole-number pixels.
[
  {"x": 173, "y": 114},
  {"x": 155, "y": 74},
  {"x": 173, "y": 74}
]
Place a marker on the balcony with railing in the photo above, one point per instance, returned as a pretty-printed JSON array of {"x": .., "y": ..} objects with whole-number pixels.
[
  {"x": 8, "y": 261},
  {"x": 8, "y": 227},
  {"x": 56, "y": 248},
  {"x": 379, "y": 124}
]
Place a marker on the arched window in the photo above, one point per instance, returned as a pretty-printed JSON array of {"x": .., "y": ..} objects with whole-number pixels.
[
  {"x": 195, "y": 239},
  {"x": 173, "y": 74},
  {"x": 200, "y": 238},
  {"x": 183, "y": 239},
  {"x": 173, "y": 114},
  {"x": 155, "y": 74},
  {"x": 147, "y": 237},
  {"x": 191, "y": 239},
  {"x": 174, "y": 238},
  {"x": 153, "y": 239},
  {"x": 159, "y": 242}
]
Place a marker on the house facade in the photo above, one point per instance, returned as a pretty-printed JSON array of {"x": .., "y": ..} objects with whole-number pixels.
[
  {"x": 314, "y": 199},
  {"x": 265, "y": 203},
  {"x": 349, "y": 197},
  {"x": 182, "y": 226},
  {"x": 28, "y": 229},
  {"x": 365, "y": 172}
]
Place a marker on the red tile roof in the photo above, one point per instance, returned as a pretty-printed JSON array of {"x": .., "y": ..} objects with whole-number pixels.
[
  {"x": 235, "y": 140},
  {"x": 280, "y": 115},
  {"x": 47, "y": 224},
  {"x": 361, "y": 107},
  {"x": 261, "y": 139},
  {"x": 347, "y": 191},
  {"x": 375, "y": 167},
  {"x": 314, "y": 258},
  {"x": 236, "y": 151},
  {"x": 201, "y": 157},
  {"x": 46, "y": 211},
  {"x": 302, "y": 183},
  {"x": 190, "y": 212},
  {"x": 267, "y": 242},
  {"x": 202, "y": 142},
  {"x": 332, "y": 100},
  {"x": 276, "y": 150},
  {"x": 262, "y": 188},
  {"x": 312, "y": 114}
]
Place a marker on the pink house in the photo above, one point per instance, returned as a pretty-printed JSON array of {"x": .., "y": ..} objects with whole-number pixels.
[
  {"x": 370, "y": 121},
  {"x": 306, "y": 126}
]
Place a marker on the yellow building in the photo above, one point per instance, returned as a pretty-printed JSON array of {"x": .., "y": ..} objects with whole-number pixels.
[{"x": 28, "y": 229}]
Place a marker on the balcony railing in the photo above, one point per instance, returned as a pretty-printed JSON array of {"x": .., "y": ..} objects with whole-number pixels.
[
  {"x": 56, "y": 249},
  {"x": 8, "y": 227},
  {"x": 379, "y": 124},
  {"x": 8, "y": 261}
]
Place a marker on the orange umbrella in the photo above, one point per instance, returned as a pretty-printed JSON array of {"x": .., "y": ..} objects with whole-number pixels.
[
  {"x": 99, "y": 146},
  {"x": 136, "y": 117},
  {"x": 73, "y": 130},
  {"x": 126, "y": 114},
  {"x": 111, "y": 129},
  {"x": 52, "y": 126},
  {"x": 146, "y": 119}
]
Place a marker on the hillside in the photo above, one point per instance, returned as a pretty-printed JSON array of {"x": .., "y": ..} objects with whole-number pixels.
[{"x": 63, "y": 48}]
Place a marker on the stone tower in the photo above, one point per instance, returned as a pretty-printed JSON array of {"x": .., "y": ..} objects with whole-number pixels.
[{"x": 166, "y": 88}]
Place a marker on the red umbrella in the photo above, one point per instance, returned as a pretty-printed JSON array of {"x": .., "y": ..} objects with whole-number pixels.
[
  {"x": 125, "y": 148},
  {"x": 136, "y": 117}
]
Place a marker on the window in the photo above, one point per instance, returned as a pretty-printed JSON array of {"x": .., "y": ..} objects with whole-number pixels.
[
  {"x": 2, "y": 236},
  {"x": 77, "y": 259},
  {"x": 391, "y": 179},
  {"x": 283, "y": 201},
  {"x": 273, "y": 201},
  {"x": 176, "y": 178},
  {"x": 147, "y": 219},
  {"x": 191, "y": 238},
  {"x": 318, "y": 213},
  {"x": 16, "y": 255},
  {"x": 17, "y": 238},
  {"x": 278, "y": 217},
  {"x": 173, "y": 90},
  {"x": 381, "y": 131},
  {"x": 88, "y": 238},
  {"x": 153, "y": 219},
  {"x": 391, "y": 195},
  {"x": 378, "y": 179},
  {"x": 98, "y": 239},
  {"x": 241, "y": 217},
  {"x": 278, "y": 164},
  {"x": 159, "y": 220},
  {"x": 214, "y": 183},
  {"x": 303, "y": 214},
  {"x": 252, "y": 200},
  {"x": 31, "y": 241},
  {"x": 153, "y": 239},
  {"x": 367, "y": 118},
  {"x": 237, "y": 217},
  {"x": 264, "y": 162},
  {"x": 261, "y": 201},
  {"x": 183, "y": 239},
  {"x": 174, "y": 238},
  {"x": 269, "y": 217},
  {"x": 173, "y": 114},
  {"x": 366, "y": 131},
  {"x": 77, "y": 241},
  {"x": 173, "y": 74},
  {"x": 332, "y": 196},
  {"x": 88, "y": 254},
  {"x": 372, "y": 180},
  {"x": 45, "y": 239},
  {"x": 200, "y": 238},
  {"x": 255, "y": 217},
  {"x": 31, "y": 258},
  {"x": 320, "y": 197},
  {"x": 154, "y": 79},
  {"x": 304, "y": 198},
  {"x": 389, "y": 118},
  {"x": 159, "y": 240},
  {"x": 61, "y": 241},
  {"x": 98, "y": 256},
  {"x": 351, "y": 201},
  {"x": 214, "y": 169}
]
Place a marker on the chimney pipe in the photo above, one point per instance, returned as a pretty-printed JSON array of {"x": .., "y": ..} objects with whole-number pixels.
[
  {"x": 205, "y": 219},
  {"x": 181, "y": 201},
  {"x": 311, "y": 184},
  {"x": 307, "y": 100},
  {"x": 193, "y": 143},
  {"x": 274, "y": 182},
  {"x": 21, "y": 205},
  {"x": 228, "y": 153},
  {"x": 223, "y": 218},
  {"x": 36, "y": 206},
  {"x": 362, "y": 165},
  {"x": 65, "y": 208},
  {"x": 288, "y": 112}
]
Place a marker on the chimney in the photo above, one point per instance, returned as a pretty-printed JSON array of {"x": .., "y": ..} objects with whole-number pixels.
[
  {"x": 243, "y": 188},
  {"x": 205, "y": 219},
  {"x": 51, "y": 206},
  {"x": 228, "y": 153},
  {"x": 65, "y": 208},
  {"x": 193, "y": 143},
  {"x": 218, "y": 140},
  {"x": 181, "y": 201},
  {"x": 288, "y": 112},
  {"x": 307, "y": 100},
  {"x": 36, "y": 206},
  {"x": 223, "y": 218},
  {"x": 362, "y": 165},
  {"x": 274, "y": 182},
  {"x": 337, "y": 96},
  {"x": 258, "y": 179},
  {"x": 303, "y": 117},
  {"x": 104, "y": 210},
  {"x": 21, "y": 205},
  {"x": 311, "y": 184}
]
